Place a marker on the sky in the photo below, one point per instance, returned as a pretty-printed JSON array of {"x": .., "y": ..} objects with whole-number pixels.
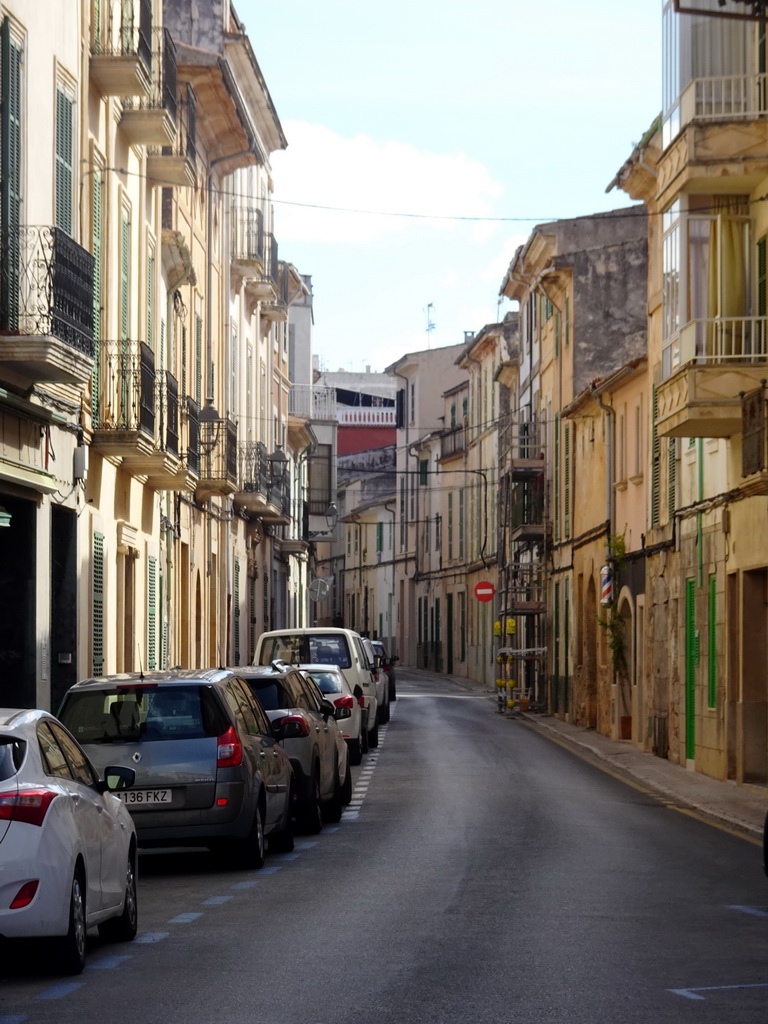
[{"x": 426, "y": 140}]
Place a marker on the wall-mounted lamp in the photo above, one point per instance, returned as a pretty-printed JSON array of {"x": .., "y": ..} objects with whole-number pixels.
[
  {"x": 210, "y": 426},
  {"x": 332, "y": 515}
]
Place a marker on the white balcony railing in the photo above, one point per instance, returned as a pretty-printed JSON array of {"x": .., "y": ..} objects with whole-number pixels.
[
  {"x": 365, "y": 416},
  {"x": 313, "y": 403},
  {"x": 717, "y": 340},
  {"x": 731, "y": 96}
]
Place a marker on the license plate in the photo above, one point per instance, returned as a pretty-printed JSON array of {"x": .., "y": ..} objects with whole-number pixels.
[{"x": 144, "y": 797}]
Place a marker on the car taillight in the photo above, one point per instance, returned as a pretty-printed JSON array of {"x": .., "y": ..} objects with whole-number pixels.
[
  {"x": 300, "y": 727},
  {"x": 361, "y": 700},
  {"x": 27, "y": 805},
  {"x": 344, "y": 702},
  {"x": 25, "y": 895},
  {"x": 230, "y": 750},
  {"x": 376, "y": 676}
]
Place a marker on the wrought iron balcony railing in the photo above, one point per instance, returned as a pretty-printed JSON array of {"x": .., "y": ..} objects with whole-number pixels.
[
  {"x": 126, "y": 387},
  {"x": 218, "y": 454},
  {"x": 247, "y": 233},
  {"x": 254, "y": 467},
  {"x": 123, "y": 28},
  {"x": 46, "y": 286},
  {"x": 527, "y": 506},
  {"x": 453, "y": 441},
  {"x": 162, "y": 94}
]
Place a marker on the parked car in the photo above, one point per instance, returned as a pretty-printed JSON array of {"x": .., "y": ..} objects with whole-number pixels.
[
  {"x": 348, "y": 712},
  {"x": 326, "y": 645},
  {"x": 209, "y": 771},
  {"x": 382, "y": 684},
  {"x": 303, "y": 720},
  {"x": 67, "y": 843},
  {"x": 387, "y": 666}
]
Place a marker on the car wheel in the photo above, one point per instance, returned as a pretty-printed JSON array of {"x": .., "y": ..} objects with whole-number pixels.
[
  {"x": 333, "y": 808},
  {"x": 70, "y": 949},
  {"x": 252, "y": 849},
  {"x": 282, "y": 840},
  {"x": 356, "y": 750},
  {"x": 124, "y": 927},
  {"x": 373, "y": 736},
  {"x": 311, "y": 815}
]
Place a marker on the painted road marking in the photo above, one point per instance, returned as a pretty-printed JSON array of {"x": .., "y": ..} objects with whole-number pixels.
[
  {"x": 754, "y": 911},
  {"x": 184, "y": 918},
  {"x": 108, "y": 962},
  {"x": 693, "y": 993},
  {"x": 150, "y": 937},
  {"x": 216, "y": 901},
  {"x": 66, "y": 988}
]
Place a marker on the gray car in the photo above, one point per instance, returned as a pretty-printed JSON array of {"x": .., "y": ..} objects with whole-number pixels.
[{"x": 209, "y": 770}]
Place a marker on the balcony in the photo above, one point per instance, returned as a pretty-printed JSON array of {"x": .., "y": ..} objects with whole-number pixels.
[
  {"x": 312, "y": 403},
  {"x": 218, "y": 458},
  {"x": 717, "y": 133},
  {"x": 278, "y": 308},
  {"x": 527, "y": 522},
  {"x": 46, "y": 306},
  {"x": 705, "y": 368},
  {"x": 151, "y": 120},
  {"x": 265, "y": 489},
  {"x": 249, "y": 257},
  {"x": 175, "y": 165},
  {"x": 524, "y": 447},
  {"x": 121, "y": 48},
  {"x": 453, "y": 442},
  {"x": 137, "y": 414},
  {"x": 262, "y": 284}
]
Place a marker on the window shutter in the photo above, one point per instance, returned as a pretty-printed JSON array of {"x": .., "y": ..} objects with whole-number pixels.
[
  {"x": 10, "y": 174},
  {"x": 712, "y": 647},
  {"x": 151, "y": 613},
  {"x": 97, "y": 605},
  {"x": 655, "y": 462},
  {"x": 671, "y": 477},
  {"x": 96, "y": 239},
  {"x": 63, "y": 162},
  {"x": 557, "y": 334},
  {"x": 556, "y": 496},
  {"x": 125, "y": 274},
  {"x": 762, "y": 295},
  {"x": 252, "y": 611},
  {"x": 461, "y": 523},
  {"x": 567, "y": 480},
  {"x": 691, "y": 659},
  {"x": 184, "y": 359},
  {"x": 236, "y": 609},
  {"x": 151, "y": 300},
  {"x": 450, "y": 525},
  {"x": 567, "y": 322},
  {"x": 199, "y": 360}
]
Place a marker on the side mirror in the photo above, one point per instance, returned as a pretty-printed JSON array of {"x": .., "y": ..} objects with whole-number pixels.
[
  {"x": 116, "y": 777},
  {"x": 327, "y": 710}
]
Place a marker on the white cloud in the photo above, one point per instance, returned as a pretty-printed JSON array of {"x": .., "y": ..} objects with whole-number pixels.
[{"x": 323, "y": 169}]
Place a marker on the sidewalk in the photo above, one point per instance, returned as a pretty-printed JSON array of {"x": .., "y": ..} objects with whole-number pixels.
[{"x": 743, "y": 807}]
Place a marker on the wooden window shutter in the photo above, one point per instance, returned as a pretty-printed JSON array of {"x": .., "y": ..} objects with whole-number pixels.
[
  {"x": 567, "y": 480},
  {"x": 151, "y": 300},
  {"x": 199, "y": 360},
  {"x": 96, "y": 247},
  {"x": 567, "y": 322},
  {"x": 184, "y": 359},
  {"x": 252, "y": 615},
  {"x": 10, "y": 173},
  {"x": 556, "y": 496},
  {"x": 151, "y": 613},
  {"x": 712, "y": 646},
  {"x": 671, "y": 477},
  {"x": 655, "y": 463},
  {"x": 125, "y": 275},
  {"x": 97, "y": 605},
  {"x": 691, "y": 661},
  {"x": 450, "y": 525},
  {"x": 64, "y": 136},
  {"x": 558, "y": 329}
]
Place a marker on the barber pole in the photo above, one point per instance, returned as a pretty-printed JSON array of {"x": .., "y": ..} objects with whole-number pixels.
[{"x": 606, "y": 585}]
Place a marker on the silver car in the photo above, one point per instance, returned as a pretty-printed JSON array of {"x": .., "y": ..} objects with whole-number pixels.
[{"x": 209, "y": 771}]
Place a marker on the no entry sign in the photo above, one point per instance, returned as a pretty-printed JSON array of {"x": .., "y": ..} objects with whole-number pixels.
[{"x": 484, "y": 591}]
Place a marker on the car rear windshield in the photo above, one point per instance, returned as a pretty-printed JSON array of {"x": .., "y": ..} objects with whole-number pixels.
[
  {"x": 328, "y": 682},
  {"x": 11, "y": 756},
  {"x": 136, "y": 713},
  {"x": 270, "y": 694},
  {"x": 306, "y": 649}
]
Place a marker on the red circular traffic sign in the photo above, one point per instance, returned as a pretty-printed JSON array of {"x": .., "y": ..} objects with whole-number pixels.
[{"x": 484, "y": 591}]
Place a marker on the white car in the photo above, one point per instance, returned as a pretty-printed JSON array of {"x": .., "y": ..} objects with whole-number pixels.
[
  {"x": 67, "y": 844},
  {"x": 349, "y": 707},
  {"x": 380, "y": 678}
]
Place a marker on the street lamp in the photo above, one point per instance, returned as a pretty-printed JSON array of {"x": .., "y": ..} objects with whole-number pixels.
[
  {"x": 331, "y": 515},
  {"x": 278, "y": 465},
  {"x": 210, "y": 424}
]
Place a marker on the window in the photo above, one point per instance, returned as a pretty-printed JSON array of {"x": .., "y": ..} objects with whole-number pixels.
[
  {"x": 97, "y": 605},
  {"x": 125, "y": 274},
  {"x": 10, "y": 170},
  {"x": 450, "y": 525},
  {"x": 151, "y": 296},
  {"x": 423, "y": 472},
  {"x": 151, "y": 613},
  {"x": 461, "y": 524}
]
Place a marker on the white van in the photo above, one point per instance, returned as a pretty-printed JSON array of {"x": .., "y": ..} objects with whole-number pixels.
[{"x": 326, "y": 645}]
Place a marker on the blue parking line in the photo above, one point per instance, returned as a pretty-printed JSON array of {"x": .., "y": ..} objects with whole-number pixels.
[
  {"x": 329, "y": 831},
  {"x": 66, "y": 988},
  {"x": 185, "y": 918},
  {"x": 149, "y": 937},
  {"x": 244, "y": 885},
  {"x": 270, "y": 870},
  {"x": 216, "y": 901},
  {"x": 108, "y": 962},
  {"x": 754, "y": 911},
  {"x": 306, "y": 844},
  {"x": 288, "y": 856},
  {"x": 11, "y": 1019}
]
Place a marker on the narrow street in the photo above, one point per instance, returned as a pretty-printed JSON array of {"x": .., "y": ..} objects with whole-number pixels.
[{"x": 482, "y": 873}]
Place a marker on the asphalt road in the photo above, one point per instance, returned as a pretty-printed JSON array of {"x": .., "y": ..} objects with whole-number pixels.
[{"x": 483, "y": 874}]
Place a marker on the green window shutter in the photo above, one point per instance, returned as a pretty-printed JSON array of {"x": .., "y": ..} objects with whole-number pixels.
[
  {"x": 556, "y": 496},
  {"x": 151, "y": 613},
  {"x": 97, "y": 605},
  {"x": 380, "y": 536},
  {"x": 236, "y": 609},
  {"x": 125, "y": 275},
  {"x": 64, "y": 137},
  {"x": 557, "y": 334},
  {"x": 184, "y": 359},
  {"x": 233, "y": 354},
  {"x": 671, "y": 477},
  {"x": 10, "y": 173},
  {"x": 567, "y": 480},
  {"x": 163, "y": 622},
  {"x": 151, "y": 300},
  {"x": 423, "y": 472},
  {"x": 451, "y": 525},
  {"x": 96, "y": 249},
  {"x": 762, "y": 283},
  {"x": 199, "y": 360},
  {"x": 655, "y": 462}
]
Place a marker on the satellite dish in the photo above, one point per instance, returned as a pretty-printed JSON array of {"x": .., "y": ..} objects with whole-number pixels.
[{"x": 318, "y": 588}]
